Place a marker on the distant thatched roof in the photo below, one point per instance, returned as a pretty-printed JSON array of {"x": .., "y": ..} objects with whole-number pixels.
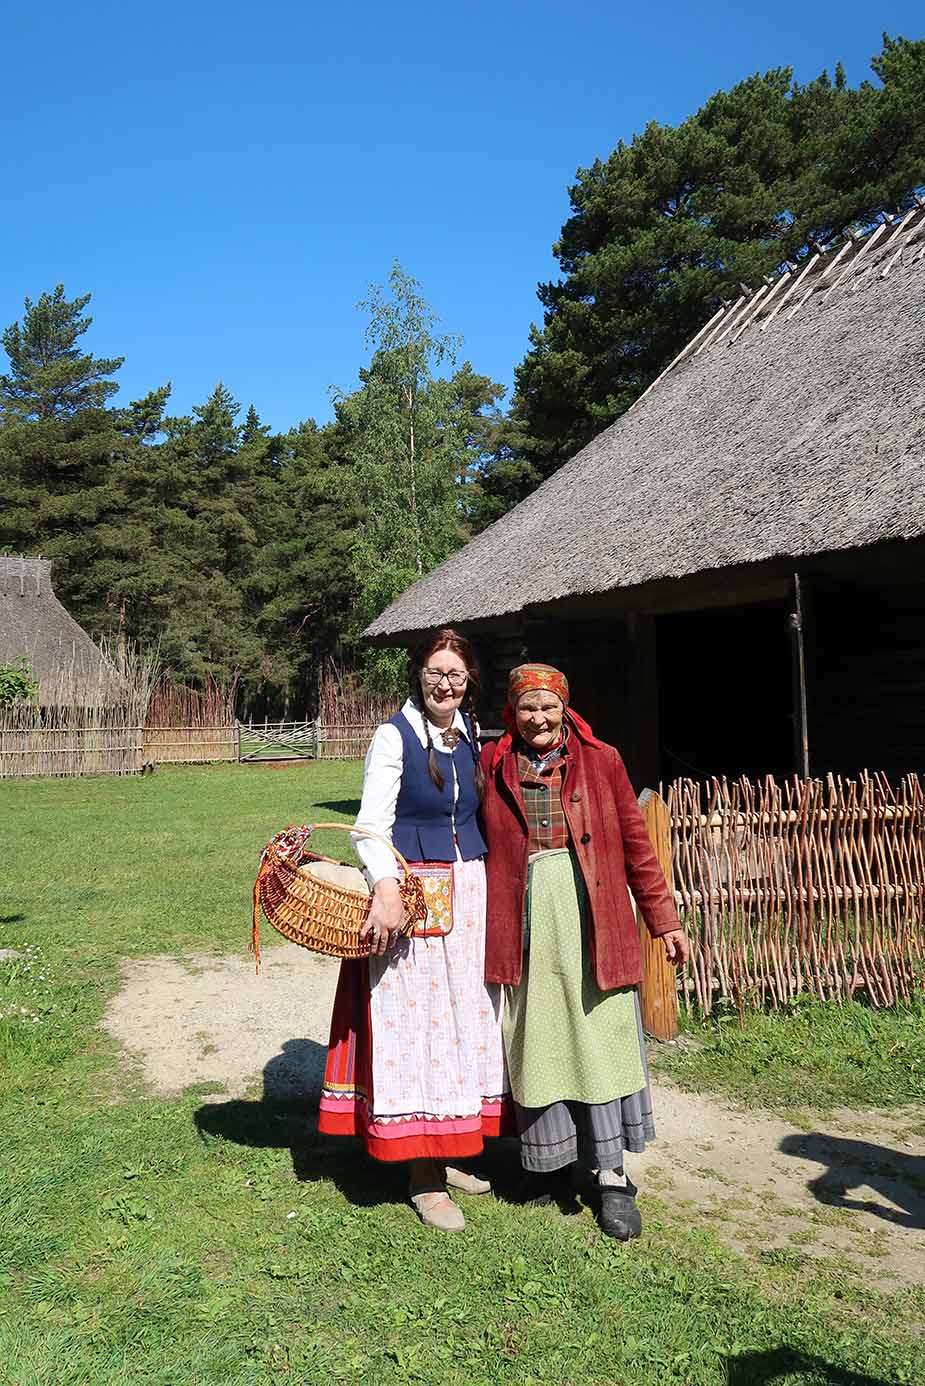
[
  {"x": 793, "y": 424},
  {"x": 35, "y": 626}
]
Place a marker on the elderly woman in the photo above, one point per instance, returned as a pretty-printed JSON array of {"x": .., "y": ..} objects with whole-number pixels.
[
  {"x": 565, "y": 838},
  {"x": 415, "y": 1061}
]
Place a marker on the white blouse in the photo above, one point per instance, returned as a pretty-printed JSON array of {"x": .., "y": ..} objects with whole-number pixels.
[{"x": 381, "y": 783}]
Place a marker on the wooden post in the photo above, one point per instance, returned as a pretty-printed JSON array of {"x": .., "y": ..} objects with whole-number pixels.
[{"x": 658, "y": 994}]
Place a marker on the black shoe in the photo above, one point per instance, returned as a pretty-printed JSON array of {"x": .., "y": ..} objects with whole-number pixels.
[{"x": 619, "y": 1217}]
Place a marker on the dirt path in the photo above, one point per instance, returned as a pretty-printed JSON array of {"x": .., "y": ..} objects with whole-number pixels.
[{"x": 850, "y": 1185}]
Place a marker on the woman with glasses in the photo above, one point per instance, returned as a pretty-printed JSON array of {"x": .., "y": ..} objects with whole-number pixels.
[
  {"x": 566, "y": 838},
  {"x": 415, "y": 1063}
]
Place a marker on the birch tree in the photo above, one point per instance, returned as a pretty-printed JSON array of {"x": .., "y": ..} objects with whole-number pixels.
[{"x": 407, "y": 432}]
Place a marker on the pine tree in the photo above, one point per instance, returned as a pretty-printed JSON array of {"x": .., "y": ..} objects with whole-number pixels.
[
  {"x": 304, "y": 580},
  {"x": 49, "y": 377},
  {"x": 672, "y": 222},
  {"x": 193, "y": 504},
  {"x": 61, "y": 452}
]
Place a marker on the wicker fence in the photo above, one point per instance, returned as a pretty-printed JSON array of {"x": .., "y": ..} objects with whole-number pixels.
[
  {"x": 116, "y": 721},
  {"x": 190, "y": 726},
  {"x": 809, "y": 886}
]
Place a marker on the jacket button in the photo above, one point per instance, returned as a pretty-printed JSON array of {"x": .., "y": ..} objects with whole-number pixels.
[
  {"x": 576, "y": 796},
  {"x": 586, "y": 837}
]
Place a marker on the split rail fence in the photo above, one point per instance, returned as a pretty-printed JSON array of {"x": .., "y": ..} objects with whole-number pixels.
[{"x": 807, "y": 886}]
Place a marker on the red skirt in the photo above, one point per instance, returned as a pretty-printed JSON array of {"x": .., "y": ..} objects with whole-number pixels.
[{"x": 348, "y": 1099}]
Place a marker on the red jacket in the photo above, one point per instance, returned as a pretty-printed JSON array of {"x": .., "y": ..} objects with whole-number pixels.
[{"x": 609, "y": 837}]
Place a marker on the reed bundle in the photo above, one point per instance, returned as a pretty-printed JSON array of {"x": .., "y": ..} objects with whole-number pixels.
[
  {"x": 348, "y": 714},
  {"x": 191, "y": 725}
]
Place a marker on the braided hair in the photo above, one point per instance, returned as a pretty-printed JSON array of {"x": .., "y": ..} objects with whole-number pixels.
[{"x": 448, "y": 639}]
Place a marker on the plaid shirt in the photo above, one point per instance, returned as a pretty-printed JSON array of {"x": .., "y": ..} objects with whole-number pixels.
[{"x": 542, "y": 792}]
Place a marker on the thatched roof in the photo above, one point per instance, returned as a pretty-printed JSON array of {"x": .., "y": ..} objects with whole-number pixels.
[
  {"x": 793, "y": 424},
  {"x": 35, "y": 626}
]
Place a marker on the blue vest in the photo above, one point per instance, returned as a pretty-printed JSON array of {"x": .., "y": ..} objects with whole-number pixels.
[{"x": 424, "y": 821}]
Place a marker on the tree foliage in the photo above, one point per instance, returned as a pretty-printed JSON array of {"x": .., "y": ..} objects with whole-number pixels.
[
  {"x": 411, "y": 437},
  {"x": 17, "y": 683},
  {"x": 668, "y": 224},
  {"x": 230, "y": 547},
  {"x": 190, "y": 533}
]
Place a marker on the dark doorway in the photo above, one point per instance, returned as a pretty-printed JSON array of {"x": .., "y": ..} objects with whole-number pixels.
[
  {"x": 866, "y": 676},
  {"x": 725, "y": 692}
]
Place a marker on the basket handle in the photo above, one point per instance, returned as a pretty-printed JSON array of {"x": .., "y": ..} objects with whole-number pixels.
[{"x": 366, "y": 832}]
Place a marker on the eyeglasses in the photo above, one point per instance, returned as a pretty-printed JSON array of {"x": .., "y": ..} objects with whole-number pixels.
[{"x": 457, "y": 678}]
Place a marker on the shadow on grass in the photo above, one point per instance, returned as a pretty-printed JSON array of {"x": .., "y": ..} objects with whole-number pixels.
[
  {"x": 349, "y": 806},
  {"x": 11, "y": 918},
  {"x": 286, "y": 1117},
  {"x": 783, "y": 1364},
  {"x": 894, "y": 1175}
]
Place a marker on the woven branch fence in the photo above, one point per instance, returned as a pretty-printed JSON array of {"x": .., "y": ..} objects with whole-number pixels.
[
  {"x": 345, "y": 742},
  {"x": 807, "y": 886}
]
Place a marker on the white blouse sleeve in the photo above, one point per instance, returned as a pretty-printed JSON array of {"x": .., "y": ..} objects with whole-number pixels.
[{"x": 381, "y": 783}]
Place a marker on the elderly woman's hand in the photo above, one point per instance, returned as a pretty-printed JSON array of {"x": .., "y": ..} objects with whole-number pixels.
[
  {"x": 677, "y": 947},
  {"x": 386, "y": 915}
]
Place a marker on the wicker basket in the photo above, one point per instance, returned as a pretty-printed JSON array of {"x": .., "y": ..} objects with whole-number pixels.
[{"x": 315, "y": 913}]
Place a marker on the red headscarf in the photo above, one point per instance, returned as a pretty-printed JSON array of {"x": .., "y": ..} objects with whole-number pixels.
[{"x": 538, "y": 678}]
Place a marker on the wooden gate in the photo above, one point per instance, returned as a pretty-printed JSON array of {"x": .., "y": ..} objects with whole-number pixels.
[{"x": 278, "y": 740}]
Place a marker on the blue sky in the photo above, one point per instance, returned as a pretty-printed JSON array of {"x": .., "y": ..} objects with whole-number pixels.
[{"x": 227, "y": 179}]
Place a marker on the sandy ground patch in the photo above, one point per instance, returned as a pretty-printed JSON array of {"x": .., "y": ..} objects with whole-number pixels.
[
  {"x": 213, "y": 1021},
  {"x": 849, "y": 1185}
]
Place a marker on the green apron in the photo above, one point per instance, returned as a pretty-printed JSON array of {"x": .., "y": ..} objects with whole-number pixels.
[{"x": 566, "y": 1040}]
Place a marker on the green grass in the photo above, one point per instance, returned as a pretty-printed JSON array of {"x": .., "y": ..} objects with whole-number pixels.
[
  {"x": 809, "y": 1054},
  {"x": 166, "y": 1243}
]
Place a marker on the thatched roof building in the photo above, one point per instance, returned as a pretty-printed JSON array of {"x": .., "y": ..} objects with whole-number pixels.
[
  {"x": 34, "y": 626},
  {"x": 769, "y": 487}
]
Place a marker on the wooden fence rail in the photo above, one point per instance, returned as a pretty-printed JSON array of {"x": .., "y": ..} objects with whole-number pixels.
[
  {"x": 806, "y": 886},
  {"x": 46, "y": 752},
  {"x": 195, "y": 745},
  {"x": 658, "y": 994}
]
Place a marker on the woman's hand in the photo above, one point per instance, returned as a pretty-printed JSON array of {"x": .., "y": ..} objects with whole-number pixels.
[
  {"x": 677, "y": 947},
  {"x": 386, "y": 915}
]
